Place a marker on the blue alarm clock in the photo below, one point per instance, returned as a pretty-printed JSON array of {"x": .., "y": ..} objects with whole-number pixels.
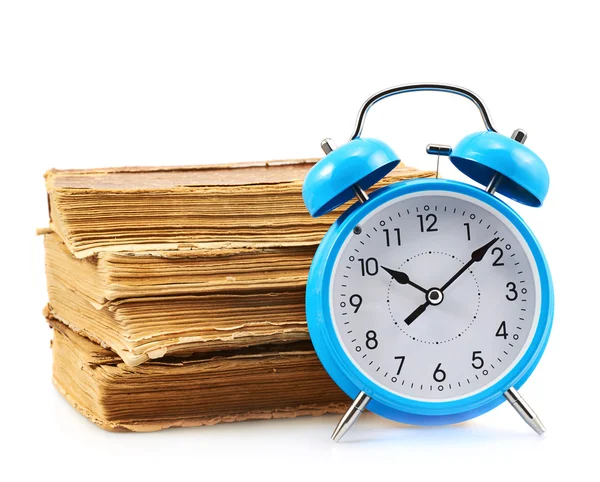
[{"x": 429, "y": 301}]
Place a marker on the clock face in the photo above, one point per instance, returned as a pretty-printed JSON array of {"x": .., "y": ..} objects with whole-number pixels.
[{"x": 435, "y": 296}]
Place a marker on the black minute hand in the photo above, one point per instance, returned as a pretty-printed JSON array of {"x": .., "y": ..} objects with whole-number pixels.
[
  {"x": 476, "y": 256},
  {"x": 403, "y": 279}
]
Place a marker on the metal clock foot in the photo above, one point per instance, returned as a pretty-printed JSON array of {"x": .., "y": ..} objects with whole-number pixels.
[
  {"x": 523, "y": 409},
  {"x": 351, "y": 416}
]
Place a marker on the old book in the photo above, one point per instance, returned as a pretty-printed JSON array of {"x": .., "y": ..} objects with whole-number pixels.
[
  {"x": 146, "y": 209},
  {"x": 275, "y": 382},
  {"x": 181, "y": 298},
  {"x": 151, "y": 304},
  {"x": 110, "y": 276}
]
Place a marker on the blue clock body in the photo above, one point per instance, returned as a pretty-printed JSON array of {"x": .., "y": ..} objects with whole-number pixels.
[{"x": 353, "y": 380}]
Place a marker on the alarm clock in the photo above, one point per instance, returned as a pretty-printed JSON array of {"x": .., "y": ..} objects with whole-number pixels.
[{"x": 429, "y": 301}]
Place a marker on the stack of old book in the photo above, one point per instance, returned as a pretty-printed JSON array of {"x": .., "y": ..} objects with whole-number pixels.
[{"x": 177, "y": 294}]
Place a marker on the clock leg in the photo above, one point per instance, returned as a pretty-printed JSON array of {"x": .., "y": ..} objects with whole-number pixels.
[
  {"x": 351, "y": 416},
  {"x": 523, "y": 409}
]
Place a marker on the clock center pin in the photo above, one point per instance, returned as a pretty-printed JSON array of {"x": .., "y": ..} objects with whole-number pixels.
[{"x": 435, "y": 296}]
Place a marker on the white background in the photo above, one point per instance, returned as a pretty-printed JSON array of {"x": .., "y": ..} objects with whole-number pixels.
[{"x": 92, "y": 84}]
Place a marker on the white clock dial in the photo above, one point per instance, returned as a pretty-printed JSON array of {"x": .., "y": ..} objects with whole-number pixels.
[{"x": 435, "y": 296}]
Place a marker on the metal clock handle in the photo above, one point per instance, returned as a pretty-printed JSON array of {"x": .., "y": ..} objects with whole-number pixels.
[
  {"x": 401, "y": 89},
  {"x": 440, "y": 150},
  {"x": 328, "y": 145}
]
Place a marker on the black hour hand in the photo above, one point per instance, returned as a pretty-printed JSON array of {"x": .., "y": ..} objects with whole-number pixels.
[
  {"x": 403, "y": 279},
  {"x": 418, "y": 312}
]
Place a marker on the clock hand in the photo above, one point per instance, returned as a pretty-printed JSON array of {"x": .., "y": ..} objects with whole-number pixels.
[
  {"x": 418, "y": 312},
  {"x": 476, "y": 256},
  {"x": 403, "y": 279}
]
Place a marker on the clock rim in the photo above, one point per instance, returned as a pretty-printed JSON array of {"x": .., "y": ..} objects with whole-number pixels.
[{"x": 352, "y": 380}]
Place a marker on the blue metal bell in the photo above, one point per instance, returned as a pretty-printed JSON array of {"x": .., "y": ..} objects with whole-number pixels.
[
  {"x": 482, "y": 154},
  {"x": 329, "y": 183}
]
